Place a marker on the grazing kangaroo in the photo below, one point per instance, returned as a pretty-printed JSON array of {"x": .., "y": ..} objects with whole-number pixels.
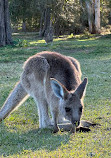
[{"x": 54, "y": 81}]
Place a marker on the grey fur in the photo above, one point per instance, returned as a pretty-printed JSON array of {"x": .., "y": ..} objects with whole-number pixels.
[{"x": 43, "y": 74}]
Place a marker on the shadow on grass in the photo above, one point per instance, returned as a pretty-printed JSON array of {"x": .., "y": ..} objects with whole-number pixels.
[{"x": 16, "y": 143}]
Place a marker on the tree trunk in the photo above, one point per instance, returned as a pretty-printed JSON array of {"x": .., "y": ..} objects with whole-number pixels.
[
  {"x": 5, "y": 26},
  {"x": 93, "y": 10},
  {"x": 24, "y": 26},
  {"x": 97, "y": 16},
  {"x": 90, "y": 11},
  {"x": 2, "y": 25},
  {"x": 46, "y": 22},
  {"x": 41, "y": 23}
]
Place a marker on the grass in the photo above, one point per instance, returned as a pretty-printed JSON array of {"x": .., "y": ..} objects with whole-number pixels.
[{"x": 19, "y": 133}]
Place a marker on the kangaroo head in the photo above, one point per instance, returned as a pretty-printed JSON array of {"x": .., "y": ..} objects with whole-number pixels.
[{"x": 71, "y": 104}]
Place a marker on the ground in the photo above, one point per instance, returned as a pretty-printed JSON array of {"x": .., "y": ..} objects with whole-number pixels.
[{"x": 19, "y": 133}]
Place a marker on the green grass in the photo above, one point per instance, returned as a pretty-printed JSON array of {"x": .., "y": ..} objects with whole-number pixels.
[{"x": 20, "y": 136}]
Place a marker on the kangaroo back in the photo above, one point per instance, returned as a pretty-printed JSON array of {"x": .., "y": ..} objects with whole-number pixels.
[
  {"x": 16, "y": 98},
  {"x": 64, "y": 69}
]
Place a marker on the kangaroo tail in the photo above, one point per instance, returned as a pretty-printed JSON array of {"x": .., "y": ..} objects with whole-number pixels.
[{"x": 16, "y": 98}]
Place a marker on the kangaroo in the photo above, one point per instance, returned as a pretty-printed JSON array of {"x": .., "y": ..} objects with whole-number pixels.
[{"x": 54, "y": 81}]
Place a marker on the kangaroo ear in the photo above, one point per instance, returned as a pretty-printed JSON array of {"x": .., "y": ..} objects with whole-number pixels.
[
  {"x": 58, "y": 89},
  {"x": 81, "y": 89}
]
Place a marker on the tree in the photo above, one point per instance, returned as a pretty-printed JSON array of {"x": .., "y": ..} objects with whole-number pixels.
[
  {"x": 93, "y": 13},
  {"x": 90, "y": 11},
  {"x": 46, "y": 9},
  {"x": 5, "y": 26},
  {"x": 45, "y": 20},
  {"x": 97, "y": 16}
]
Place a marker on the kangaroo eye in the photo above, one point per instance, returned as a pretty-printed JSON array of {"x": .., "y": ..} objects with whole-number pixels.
[
  {"x": 80, "y": 109},
  {"x": 67, "y": 109}
]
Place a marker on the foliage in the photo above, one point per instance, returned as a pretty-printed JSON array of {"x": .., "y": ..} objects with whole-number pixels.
[
  {"x": 24, "y": 11},
  {"x": 67, "y": 16},
  {"x": 105, "y": 12},
  {"x": 19, "y": 133}
]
